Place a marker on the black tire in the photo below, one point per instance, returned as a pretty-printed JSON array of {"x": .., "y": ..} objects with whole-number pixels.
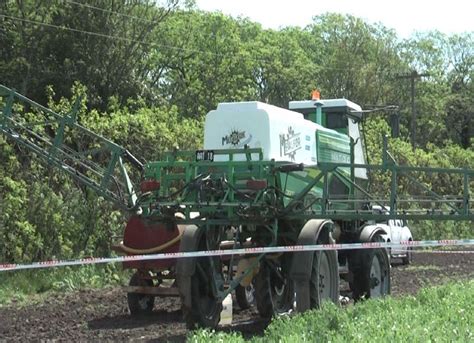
[
  {"x": 140, "y": 304},
  {"x": 245, "y": 296},
  {"x": 323, "y": 284},
  {"x": 406, "y": 260},
  {"x": 274, "y": 294},
  {"x": 205, "y": 310},
  {"x": 389, "y": 253},
  {"x": 371, "y": 273}
]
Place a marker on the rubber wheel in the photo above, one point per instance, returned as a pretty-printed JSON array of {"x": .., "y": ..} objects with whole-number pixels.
[
  {"x": 206, "y": 308},
  {"x": 389, "y": 253},
  {"x": 408, "y": 258},
  {"x": 273, "y": 294},
  {"x": 324, "y": 283},
  {"x": 140, "y": 304},
  {"x": 371, "y": 273},
  {"x": 245, "y": 296}
]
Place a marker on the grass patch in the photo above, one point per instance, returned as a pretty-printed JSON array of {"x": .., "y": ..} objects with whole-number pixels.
[
  {"x": 449, "y": 229},
  {"x": 436, "y": 314},
  {"x": 31, "y": 285},
  {"x": 419, "y": 268}
]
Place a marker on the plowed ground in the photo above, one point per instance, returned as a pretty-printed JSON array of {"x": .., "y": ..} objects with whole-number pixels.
[{"x": 98, "y": 315}]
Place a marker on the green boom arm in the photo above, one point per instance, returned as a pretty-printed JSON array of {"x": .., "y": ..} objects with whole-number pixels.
[{"x": 61, "y": 142}]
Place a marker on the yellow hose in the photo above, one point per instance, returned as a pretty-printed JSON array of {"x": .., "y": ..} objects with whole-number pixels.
[{"x": 151, "y": 250}]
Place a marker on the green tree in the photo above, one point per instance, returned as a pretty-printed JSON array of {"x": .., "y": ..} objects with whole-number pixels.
[
  {"x": 102, "y": 44},
  {"x": 208, "y": 64},
  {"x": 354, "y": 59},
  {"x": 460, "y": 103}
]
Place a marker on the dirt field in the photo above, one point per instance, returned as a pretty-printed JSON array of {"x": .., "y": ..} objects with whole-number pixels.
[{"x": 97, "y": 315}]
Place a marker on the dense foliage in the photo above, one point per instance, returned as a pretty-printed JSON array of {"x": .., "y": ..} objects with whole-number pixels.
[{"x": 151, "y": 70}]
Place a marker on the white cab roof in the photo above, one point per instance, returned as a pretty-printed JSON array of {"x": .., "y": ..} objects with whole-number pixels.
[
  {"x": 293, "y": 105},
  {"x": 252, "y": 106}
]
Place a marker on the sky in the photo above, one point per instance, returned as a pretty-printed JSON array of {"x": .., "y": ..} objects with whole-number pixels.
[{"x": 405, "y": 16}]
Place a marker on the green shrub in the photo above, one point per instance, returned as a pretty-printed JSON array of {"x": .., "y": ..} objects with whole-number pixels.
[{"x": 434, "y": 230}]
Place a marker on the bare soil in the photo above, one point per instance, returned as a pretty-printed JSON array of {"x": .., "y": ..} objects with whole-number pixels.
[{"x": 102, "y": 315}]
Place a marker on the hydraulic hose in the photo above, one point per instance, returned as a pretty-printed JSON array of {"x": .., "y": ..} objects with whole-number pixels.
[{"x": 151, "y": 250}]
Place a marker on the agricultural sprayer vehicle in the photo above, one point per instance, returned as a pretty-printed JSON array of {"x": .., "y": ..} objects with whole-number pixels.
[{"x": 266, "y": 176}]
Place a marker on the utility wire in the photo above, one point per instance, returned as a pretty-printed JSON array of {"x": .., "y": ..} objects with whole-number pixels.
[
  {"x": 97, "y": 34},
  {"x": 109, "y": 11},
  {"x": 161, "y": 46}
]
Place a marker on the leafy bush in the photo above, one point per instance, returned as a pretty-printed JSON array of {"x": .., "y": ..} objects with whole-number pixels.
[
  {"x": 442, "y": 230},
  {"x": 44, "y": 214}
]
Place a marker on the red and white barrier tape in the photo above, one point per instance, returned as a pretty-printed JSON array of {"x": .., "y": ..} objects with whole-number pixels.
[
  {"x": 245, "y": 251},
  {"x": 444, "y": 251}
]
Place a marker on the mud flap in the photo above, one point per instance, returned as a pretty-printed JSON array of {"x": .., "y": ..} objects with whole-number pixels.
[
  {"x": 302, "y": 261},
  {"x": 369, "y": 232}
]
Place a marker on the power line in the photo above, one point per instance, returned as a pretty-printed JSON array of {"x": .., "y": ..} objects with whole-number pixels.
[
  {"x": 109, "y": 11},
  {"x": 161, "y": 46},
  {"x": 102, "y": 35}
]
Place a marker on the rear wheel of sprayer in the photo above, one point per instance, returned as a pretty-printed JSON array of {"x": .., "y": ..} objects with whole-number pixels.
[
  {"x": 140, "y": 304},
  {"x": 205, "y": 307},
  {"x": 274, "y": 290},
  {"x": 371, "y": 272}
]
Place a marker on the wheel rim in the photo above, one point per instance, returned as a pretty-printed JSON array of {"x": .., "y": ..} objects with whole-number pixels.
[
  {"x": 205, "y": 305},
  {"x": 140, "y": 303},
  {"x": 206, "y": 301},
  {"x": 378, "y": 281},
  {"x": 281, "y": 297},
  {"x": 282, "y": 292},
  {"x": 144, "y": 302},
  {"x": 250, "y": 294},
  {"x": 324, "y": 279},
  {"x": 279, "y": 291},
  {"x": 371, "y": 273}
]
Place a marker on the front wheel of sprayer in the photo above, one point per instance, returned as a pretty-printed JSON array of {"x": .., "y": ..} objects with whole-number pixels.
[
  {"x": 274, "y": 290},
  {"x": 371, "y": 273},
  {"x": 140, "y": 304},
  {"x": 199, "y": 290}
]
